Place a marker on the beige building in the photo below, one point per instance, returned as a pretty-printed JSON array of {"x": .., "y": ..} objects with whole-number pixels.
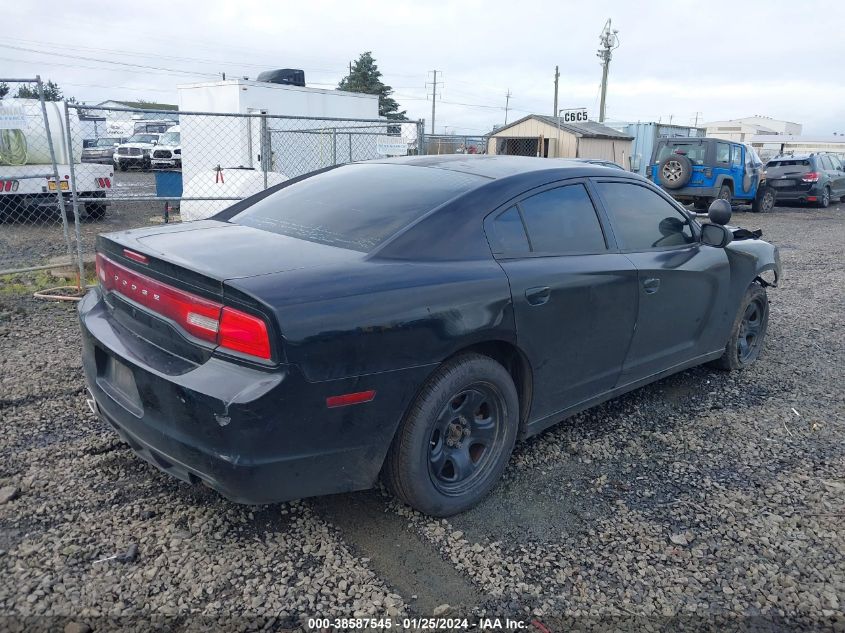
[
  {"x": 741, "y": 130},
  {"x": 539, "y": 135}
]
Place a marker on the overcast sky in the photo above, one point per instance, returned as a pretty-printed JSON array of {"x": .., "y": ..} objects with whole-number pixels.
[{"x": 677, "y": 58}]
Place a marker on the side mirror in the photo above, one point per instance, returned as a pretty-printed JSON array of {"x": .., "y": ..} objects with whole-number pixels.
[
  {"x": 719, "y": 212},
  {"x": 715, "y": 235}
]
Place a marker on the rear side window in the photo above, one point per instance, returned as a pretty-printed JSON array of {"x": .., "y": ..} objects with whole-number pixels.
[
  {"x": 642, "y": 219},
  {"x": 356, "y": 206},
  {"x": 826, "y": 163},
  {"x": 723, "y": 153},
  {"x": 509, "y": 234},
  {"x": 563, "y": 221}
]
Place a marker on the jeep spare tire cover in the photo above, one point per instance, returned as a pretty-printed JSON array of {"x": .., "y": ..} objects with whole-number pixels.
[{"x": 674, "y": 171}]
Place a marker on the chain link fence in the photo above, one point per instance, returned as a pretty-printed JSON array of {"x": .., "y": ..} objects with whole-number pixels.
[
  {"x": 38, "y": 228},
  {"x": 455, "y": 144},
  {"x": 168, "y": 166}
]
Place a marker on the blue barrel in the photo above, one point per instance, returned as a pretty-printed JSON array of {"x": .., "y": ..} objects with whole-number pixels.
[{"x": 168, "y": 184}]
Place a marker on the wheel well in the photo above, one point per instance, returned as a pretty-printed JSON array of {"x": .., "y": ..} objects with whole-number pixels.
[
  {"x": 729, "y": 182},
  {"x": 514, "y": 360}
]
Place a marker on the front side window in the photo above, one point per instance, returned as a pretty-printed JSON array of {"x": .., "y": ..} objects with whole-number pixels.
[
  {"x": 723, "y": 153},
  {"x": 642, "y": 219},
  {"x": 563, "y": 221}
]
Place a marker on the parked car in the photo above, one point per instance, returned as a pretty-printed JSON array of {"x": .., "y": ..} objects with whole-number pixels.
[
  {"x": 101, "y": 150},
  {"x": 410, "y": 317},
  {"x": 700, "y": 170},
  {"x": 135, "y": 152},
  {"x": 168, "y": 152},
  {"x": 817, "y": 178}
]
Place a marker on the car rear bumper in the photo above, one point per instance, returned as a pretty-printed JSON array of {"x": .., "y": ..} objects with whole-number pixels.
[
  {"x": 800, "y": 193},
  {"x": 255, "y": 436}
]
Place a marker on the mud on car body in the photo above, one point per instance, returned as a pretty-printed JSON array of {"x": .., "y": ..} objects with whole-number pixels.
[{"x": 407, "y": 317}]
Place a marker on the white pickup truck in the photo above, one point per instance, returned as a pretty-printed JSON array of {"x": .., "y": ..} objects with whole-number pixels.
[{"x": 27, "y": 183}]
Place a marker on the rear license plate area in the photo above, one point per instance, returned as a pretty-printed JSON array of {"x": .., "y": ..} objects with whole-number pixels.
[
  {"x": 118, "y": 382},
  {"x": 783, "y": 183}
]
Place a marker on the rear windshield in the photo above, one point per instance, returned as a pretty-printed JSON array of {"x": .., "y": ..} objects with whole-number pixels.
[
  {"x": 356, "y": 206},
  {"x": 793, "y": 162},
  {"x": 694, "y": 151}
]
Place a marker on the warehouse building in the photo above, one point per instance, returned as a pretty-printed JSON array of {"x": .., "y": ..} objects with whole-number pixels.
[{"x": 545, "y": 136}]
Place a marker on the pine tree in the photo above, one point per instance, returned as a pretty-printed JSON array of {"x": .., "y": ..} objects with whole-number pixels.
[
  {"x": 52, "y": 92},
  {"x": 365, "y": 77},
  {"x": 4, "y": 89}
]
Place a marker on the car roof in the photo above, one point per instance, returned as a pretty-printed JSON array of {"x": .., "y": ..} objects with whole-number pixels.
[{"x": 496, "y": 167}]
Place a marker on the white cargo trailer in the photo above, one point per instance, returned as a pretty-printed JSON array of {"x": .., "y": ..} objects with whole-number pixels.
[{"x": 342, "y": 127}]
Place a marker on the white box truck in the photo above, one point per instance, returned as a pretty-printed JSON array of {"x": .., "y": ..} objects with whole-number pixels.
[{"x": 27, "y": 183}]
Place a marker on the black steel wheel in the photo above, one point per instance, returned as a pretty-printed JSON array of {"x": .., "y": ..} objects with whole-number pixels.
[
  {"x": 749, "y": 330},
  {"x": 466, "y": 438},
  {"x": 454, "y": 443},
  {"x": 725, "y": 193}
]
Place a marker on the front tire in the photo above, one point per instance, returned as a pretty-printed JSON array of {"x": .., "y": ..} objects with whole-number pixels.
[
  {"x": 455, "y": 441},
  {"x": 749, "y": 331}
]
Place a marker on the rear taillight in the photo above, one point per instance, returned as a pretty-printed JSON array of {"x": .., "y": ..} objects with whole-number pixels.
[
  {"x": 244, "y": 333},
  {"x": 206, "y": 320},
  {"x": 9, "y": 185},
  {"x": 810, "y": 176}
]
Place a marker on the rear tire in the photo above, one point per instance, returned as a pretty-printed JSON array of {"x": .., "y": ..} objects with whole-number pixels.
[
  {"x": 824, "y": 201},
  {"x": 455, "y": 441},
  {"x": 748, "y": 333},
  {"x": 725, "y": 193}
]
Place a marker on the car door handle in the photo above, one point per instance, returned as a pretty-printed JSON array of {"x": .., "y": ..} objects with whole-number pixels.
[
  {"x": 651, "y": 285},
  {"x": 538, "y": 296}
]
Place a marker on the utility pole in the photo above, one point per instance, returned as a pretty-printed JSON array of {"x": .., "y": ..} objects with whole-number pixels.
[
  {"x": 433, "y": 98},
  {"x": 557, "y": 76},
  {"x": 696, "y": 119},
  {"x": 507, "y": 103},
  {"x": 608, "y": 41}
]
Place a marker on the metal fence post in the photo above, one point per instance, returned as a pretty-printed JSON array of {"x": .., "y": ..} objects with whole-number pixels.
[
  {"x": 264, "y": 148},
  {"x": 52, "y": 150},
  {"x": 421, "y": 137},
  {"x": 75, "y": 198},
  {"x": 334, "y": 146}
]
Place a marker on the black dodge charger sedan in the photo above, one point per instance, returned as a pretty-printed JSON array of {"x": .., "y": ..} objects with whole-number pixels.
[{"x": 411, "y": 317}]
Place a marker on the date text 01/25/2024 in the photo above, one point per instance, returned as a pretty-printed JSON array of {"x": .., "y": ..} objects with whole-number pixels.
[{"x": 417, "y": 623}]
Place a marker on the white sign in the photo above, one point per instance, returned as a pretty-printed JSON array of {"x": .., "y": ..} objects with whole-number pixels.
[
  {"x": 12, "y": 118},
  {"x": 576, "y": 115},
  {"x": 391, "y": 146}
]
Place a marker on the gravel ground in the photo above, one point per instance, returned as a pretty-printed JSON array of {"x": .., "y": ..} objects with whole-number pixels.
[{"x": 704, "y": 498}]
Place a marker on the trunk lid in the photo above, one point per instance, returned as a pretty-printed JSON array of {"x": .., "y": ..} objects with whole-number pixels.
[
  {"x": 198, "y": 258},
  {"x": 219, "y": 251}
]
